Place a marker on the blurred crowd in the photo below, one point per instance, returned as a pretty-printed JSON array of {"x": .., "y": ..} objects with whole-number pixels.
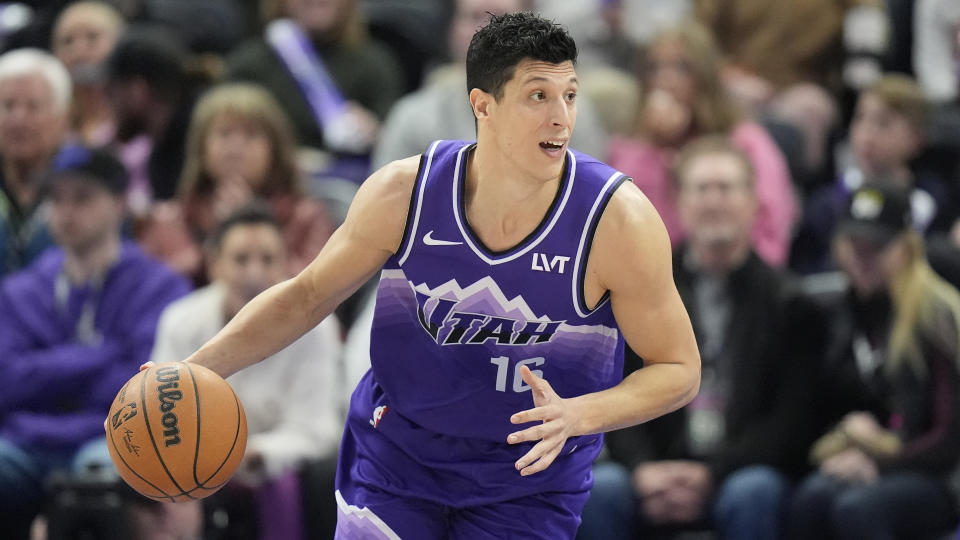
[{"x": 164, "y": 161}]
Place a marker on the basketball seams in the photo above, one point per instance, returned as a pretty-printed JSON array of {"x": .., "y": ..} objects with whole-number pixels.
[
  {"x": 116, "y": 450},
  {"x": 113, "y": 442},
  {"x": 149, "y": 474},
  {"x": 196, "y": 446},
  {"x": 153, "y": 442},
  {"x": 211, "y": 489},
  {"x": 236, "y": 436}
]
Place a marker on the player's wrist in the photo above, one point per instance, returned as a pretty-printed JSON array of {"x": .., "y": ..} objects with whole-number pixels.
[{"x": 578, "y": 409}]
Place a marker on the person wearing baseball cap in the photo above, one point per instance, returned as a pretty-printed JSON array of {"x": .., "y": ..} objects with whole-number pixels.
[
  {"x": 876, "y": 214},
  {"x": 73, "y": 326},
  {"x": 84, "y": 194},
  {"x": 94, "y": 164},
  {"x": 890, "y": 387}
]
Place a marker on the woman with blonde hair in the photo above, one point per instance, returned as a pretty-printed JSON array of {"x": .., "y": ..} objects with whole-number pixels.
[
  {"x": 84, "y": 35},
  {"x": 682, "y": 98},
  {"x": 884, "y": 470},
  {"x": 240, "y": 147}
]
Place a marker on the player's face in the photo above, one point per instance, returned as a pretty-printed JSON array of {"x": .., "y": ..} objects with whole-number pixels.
[
  {"x": 882, "y": 140},
  {"x": 534, "y": 118},
  {"x": 716, "y": 201},
  {"x": 83, "y": 214},
  {"x": 31, "y": 124},
  {"x": 251, "y": 259},
  {"x": 237, "y": 148}
]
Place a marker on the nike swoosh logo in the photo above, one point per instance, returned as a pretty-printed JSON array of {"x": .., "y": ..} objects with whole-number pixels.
[{"x": 429, "y": 240}]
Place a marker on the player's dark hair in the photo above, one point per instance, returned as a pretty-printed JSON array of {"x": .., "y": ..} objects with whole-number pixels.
[
  {"x": 505, "y": 41},
  {"x": 256, "y": 213}
]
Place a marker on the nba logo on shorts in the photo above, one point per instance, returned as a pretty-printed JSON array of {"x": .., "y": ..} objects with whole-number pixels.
[{"x": 378, "y": 415}]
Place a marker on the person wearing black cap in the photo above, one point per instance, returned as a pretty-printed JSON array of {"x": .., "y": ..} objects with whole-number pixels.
[
  {"x": 889, "y": 389},
  {"x": 73, "y": 326}
]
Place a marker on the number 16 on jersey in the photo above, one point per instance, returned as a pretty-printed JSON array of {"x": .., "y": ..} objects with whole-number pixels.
[{"x": 503, "y": 367}]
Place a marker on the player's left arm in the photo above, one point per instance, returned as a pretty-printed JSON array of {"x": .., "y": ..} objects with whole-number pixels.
[{"x": 630, "y": 257}]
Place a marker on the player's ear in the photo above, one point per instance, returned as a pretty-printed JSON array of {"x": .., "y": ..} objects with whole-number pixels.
[{"x": 480, "y": 101}]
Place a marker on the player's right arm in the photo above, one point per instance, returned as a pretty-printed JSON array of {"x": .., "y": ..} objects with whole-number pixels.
[{"x": 371, "y": 233}]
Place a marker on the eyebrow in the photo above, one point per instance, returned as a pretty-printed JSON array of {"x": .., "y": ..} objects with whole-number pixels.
[{"x": 538, "y": 78}]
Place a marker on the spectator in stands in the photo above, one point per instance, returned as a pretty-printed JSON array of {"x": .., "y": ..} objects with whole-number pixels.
[
  {"x": 34, "y": 107},
  {"x": 775, "y": 45},
  {"x": 683, "y": 98},
  {"x": 601, "y": 29},
  {"x": 74, "y": 326},
  {"x": 210, "y": 26},
  {"x": 240, "y": 146},
  {"x": 936, "y": 49},
  {"x": 440, "y": 111},
  {"x": 887, "y": 133},
  {"x": 83, "y": 37},
  {"x": 889, "y": 388},
  {"x": 152, "y": 93},
  {"x": 248, "y": 253},
  {"x": 333, "y": 81},
  {"x": 725, "y": 460},
  {"x": 797, "y": 62}
]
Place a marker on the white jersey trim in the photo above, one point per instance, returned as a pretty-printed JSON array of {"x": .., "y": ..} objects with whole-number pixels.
[
  {"x": 412, "y": 237},
  {"x": 355, "y": 513},
  {"x": 512, "y": 256},
  {"x": 582, "y": 310}
]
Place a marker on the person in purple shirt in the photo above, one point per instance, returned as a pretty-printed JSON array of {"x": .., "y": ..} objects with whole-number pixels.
[{"x": 74, "y": 326}]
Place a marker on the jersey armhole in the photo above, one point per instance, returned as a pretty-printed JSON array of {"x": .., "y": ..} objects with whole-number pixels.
[
  {"x": 416, "y": 200},
  {"x": 586, "y": 242}
]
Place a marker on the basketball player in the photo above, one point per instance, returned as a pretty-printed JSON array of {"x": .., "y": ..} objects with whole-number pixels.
[{"x": 508, "y": 266}]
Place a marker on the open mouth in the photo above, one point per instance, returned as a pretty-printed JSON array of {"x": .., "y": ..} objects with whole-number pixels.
[{"x": 553, "y": 146}]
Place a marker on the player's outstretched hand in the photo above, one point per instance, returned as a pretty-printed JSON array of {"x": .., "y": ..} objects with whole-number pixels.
[{"x": 556, "y": 427}]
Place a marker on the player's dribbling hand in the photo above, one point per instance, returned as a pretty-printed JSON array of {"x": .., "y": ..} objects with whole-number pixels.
[
  {"x": 146, "y": 365},
  {"x": 555, "y": 428}
]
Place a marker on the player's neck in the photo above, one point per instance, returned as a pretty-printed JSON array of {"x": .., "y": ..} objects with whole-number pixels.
[
  {"x": 81, "y": 266},
  {"x": 496, "y": 179},
  {"x": 502, "y": 204}
]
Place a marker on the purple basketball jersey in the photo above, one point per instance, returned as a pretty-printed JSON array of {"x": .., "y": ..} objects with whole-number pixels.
[{"x": 453, "y": 323}]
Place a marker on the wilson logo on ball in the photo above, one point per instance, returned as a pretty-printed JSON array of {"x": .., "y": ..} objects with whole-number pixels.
[{"x": 169, "y": 395}]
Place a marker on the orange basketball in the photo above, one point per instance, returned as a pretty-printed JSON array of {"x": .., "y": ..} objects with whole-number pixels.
[{"x": 176, "y": 432}]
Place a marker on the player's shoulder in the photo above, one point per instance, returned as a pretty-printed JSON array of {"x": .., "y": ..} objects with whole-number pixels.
[
  {"x": 626, "y": 208},
  {"x": 395, "y": 179},
  {"x": 629, "y": 210},
  {"x": 631, "y": 244},
  {"x": 378, "y": 213}
]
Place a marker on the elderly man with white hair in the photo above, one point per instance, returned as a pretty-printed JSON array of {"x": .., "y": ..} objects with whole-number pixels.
[{"x": 35, "y": 92}]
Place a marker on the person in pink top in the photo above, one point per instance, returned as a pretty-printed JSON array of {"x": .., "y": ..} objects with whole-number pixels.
[
  {"x": 683, "y": 98},
  {"x": 240, "y": 147}
]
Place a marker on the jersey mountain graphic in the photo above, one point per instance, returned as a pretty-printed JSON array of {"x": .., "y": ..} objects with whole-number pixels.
[{"x": 479, "y": 313}]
